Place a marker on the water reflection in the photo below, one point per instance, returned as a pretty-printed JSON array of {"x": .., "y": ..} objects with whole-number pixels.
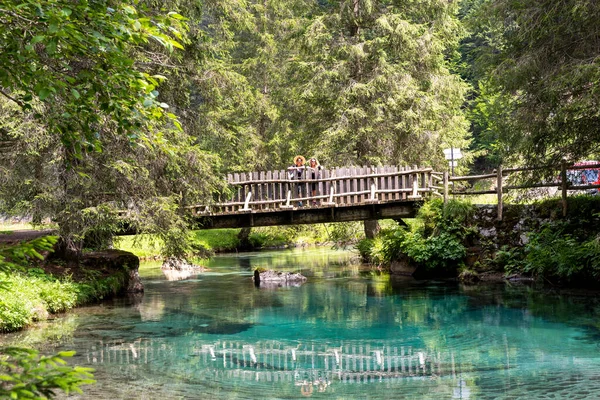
[{"x": 312, "y": 364}]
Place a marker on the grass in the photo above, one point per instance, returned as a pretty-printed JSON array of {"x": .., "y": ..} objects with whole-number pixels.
[
  {"x": 33, "y": 296},
  {"x": 226, "y": 240},
  {"x": 148, "y": 246},
  {"x": 9, "y": 226}
]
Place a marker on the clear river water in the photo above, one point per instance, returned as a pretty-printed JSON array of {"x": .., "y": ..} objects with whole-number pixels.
[{"x": 346, "y": 333}]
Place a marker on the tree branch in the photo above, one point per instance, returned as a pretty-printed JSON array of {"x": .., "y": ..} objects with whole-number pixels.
[{"x": 20, "y": 103}]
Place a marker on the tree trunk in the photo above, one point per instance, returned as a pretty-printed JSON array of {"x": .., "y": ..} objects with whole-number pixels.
[
  {"x": 372, "y": 228},
  {"x": 244, "y": 241},
  {"x": 66, "y": 250}
]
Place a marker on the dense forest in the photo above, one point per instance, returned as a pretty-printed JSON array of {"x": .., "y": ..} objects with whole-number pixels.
[{"x": 143, "y": 106}]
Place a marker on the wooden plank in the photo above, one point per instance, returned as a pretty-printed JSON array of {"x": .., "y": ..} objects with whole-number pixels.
[
  {"x": 326, "y": 185},
  {"x": 387, "y": 183},
  {"x": 389, "y": 180},
  {"x": 353, "y": 184},
  {"x": 499, "y": 190},
  {"x": 348, "y": 183},
  {"x": 380, "y": 183},
  {"x": 260, "y": 188},
  {"x": 269, "y": 189},
  {"x": 383, "y": 186},
  {"x": 277, "y": 186},
  {"x": 445, "y": 187},
  {"x": 416, "y": 174},
  {"x": 396, "y": 183},
  {"x": 404, "y": 180},
  {"x": 321, "y": 186},
  {"x": 236, "y": 190},
  {"x": 339, "y": 185},
  {"x": 362, "y": 184}
]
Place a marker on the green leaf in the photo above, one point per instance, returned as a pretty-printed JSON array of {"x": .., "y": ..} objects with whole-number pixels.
[
  {"x": 44, "y": 93},
  {"x": 66, "y": 11},
  {"x": 37, "y": 39},
  {"x": 176, "y": 16},
  {"x": 75, "y": 93},
  {"x": 148, "y": 102}
]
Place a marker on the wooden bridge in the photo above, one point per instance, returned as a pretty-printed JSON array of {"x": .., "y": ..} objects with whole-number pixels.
[{"x": 307, "y": 196}]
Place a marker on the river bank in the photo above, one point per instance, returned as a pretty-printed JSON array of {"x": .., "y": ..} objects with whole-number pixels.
[
  {"x": 460, "y": 240},
  {"x": 35, "y": 286}
]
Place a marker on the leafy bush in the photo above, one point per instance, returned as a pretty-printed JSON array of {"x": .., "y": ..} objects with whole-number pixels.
[
  {"x": 24, "y": 374},
  {"x": 15, "y": 257},
  {"x": 372, "y": 250},
  {"x": 435, "y": 240},
  {"x": 343, "y": 234},
  {"x": 58, "y": 296},
  {"x": 555, "y": 253},
  {"x": 442, "y": 250},
  {"x": 511, "y": 260},
  {"x": 365, "y": 249}
]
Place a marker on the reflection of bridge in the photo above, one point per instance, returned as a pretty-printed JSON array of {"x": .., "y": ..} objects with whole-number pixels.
[
  {"x": 277, "y": 362},
  {"x": 340, "y": 194}
]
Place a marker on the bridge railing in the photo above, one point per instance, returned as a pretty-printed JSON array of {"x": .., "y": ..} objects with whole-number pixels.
[
  {"x": 563, "y": 176},
  {"x": 335, "y": 187}
]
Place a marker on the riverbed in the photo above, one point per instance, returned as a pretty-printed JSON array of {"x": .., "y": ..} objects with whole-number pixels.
[{"x": 348, "y": 332}]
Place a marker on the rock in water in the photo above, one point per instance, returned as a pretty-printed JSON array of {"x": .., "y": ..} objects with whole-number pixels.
[
  {"x": 270, "y": 278},
  {"x": 179, "y": 264},
  {"x": 176, "y": 269}
]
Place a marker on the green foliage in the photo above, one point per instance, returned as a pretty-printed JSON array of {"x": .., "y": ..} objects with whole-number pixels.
[
  {"x": 24, "y": 374},
  {"x": 536, "y": 77},
  {"x": 15, "y": 256},
  {"x": 440, "y": 250},
  {"x": 77, "y": 59},
  {"x": 511, "y": 260},
  {"x": 436, "y": 240},
  {"x": 377, "y": 84},
  {"x": 29, "y": 298},
  {"x": 276, "y": 236},
  {"x": 343, "y": 234},
  {"x": 365, "y": 249},
  {"x": 557, "y": 254}
]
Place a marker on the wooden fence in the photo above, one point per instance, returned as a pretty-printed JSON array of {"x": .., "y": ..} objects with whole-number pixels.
[
  {"x": 342, "y": 186},
  {"x": 564, "y": 178}
]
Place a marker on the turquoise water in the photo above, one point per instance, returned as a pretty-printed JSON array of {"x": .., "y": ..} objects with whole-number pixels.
[{"x": 347, "y": 333}]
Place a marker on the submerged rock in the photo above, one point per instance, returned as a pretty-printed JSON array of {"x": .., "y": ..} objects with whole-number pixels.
[
  {"x": 269, "y": 278},
  {"x": 173, "y": 263}
]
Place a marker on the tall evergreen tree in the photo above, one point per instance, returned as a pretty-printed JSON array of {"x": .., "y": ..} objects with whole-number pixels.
[
  {"x": 376, "y": 82},
  {"x": 541, "y": 99}
]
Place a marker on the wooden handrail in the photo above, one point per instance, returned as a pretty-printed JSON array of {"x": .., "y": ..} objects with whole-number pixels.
[{"x": 331, "y": 179}]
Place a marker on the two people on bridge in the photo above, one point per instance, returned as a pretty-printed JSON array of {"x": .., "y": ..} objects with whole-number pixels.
[{"x": 301, "y": 171}]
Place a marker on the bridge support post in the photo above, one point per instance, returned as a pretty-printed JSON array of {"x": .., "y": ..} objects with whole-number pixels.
[
  {"x": 372, "y": 228},
  {"x": 445, "y": 187},
  {"x": 564, "y": 184}
]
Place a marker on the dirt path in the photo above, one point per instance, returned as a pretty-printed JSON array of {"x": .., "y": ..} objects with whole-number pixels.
[{"x": 23, "y": 235}]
